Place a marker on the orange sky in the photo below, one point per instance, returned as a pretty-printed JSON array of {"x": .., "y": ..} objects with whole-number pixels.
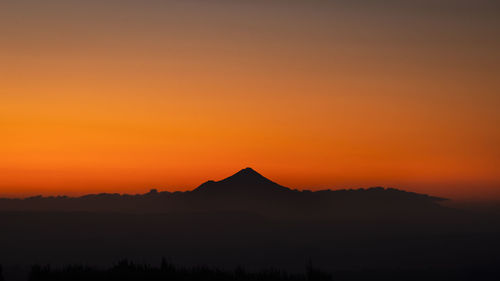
[{"x": 124, "y": 96}]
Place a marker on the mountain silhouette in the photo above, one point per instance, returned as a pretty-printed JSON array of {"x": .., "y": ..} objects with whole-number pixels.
[
  {"x": 246, "y": 181},
  {"x": 246, "y": 191}
]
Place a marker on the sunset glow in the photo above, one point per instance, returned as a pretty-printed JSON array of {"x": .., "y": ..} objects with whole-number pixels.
[{"x": 112, "y": 96}]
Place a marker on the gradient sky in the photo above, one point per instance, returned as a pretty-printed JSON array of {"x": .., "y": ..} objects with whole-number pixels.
[{"x": 124, "y": 96}]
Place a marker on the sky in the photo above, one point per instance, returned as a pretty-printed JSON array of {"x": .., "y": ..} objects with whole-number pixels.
[{"x": 125, "y": 96}]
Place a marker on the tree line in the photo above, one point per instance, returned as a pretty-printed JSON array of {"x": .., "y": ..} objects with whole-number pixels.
[{"x": 126, "y": 270}]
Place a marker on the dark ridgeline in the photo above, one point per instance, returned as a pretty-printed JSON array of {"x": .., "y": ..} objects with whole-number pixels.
[
  {"x": 246, "y": 219},
  {"x": 247, "y": 191},
  {"x": 128, "y": 271}
]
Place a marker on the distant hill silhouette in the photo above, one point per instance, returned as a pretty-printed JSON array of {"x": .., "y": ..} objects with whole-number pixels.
[{"x": 245, "y": 191}]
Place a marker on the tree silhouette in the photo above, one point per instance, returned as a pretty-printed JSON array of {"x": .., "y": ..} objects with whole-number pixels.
[
  {"x": 1, "y": 273},
  {"x": 316, "y": 274},
  {"x": 126, "y": 270}
]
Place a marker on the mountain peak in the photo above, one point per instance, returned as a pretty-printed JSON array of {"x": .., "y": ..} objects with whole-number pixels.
[
  {"x": 245, "y": 180},
  {"x": 248, "y": 170},
  {"x": 247, "y": 173}
]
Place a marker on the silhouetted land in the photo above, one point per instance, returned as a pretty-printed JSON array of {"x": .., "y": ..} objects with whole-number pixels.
[
  {"x": 248, "y": 220},
  {"x": 128, "y": 271},
  {"x": 246, "y": 191}
]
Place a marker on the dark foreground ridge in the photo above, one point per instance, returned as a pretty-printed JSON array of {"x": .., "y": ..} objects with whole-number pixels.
[
  {"x": 245, "y": 191},
  {"x": 128, "y": 271}
]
